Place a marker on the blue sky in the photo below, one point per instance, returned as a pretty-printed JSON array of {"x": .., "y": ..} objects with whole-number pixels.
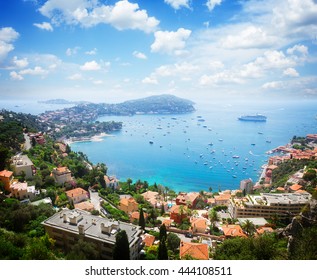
[{"x": 110, "y": 51}]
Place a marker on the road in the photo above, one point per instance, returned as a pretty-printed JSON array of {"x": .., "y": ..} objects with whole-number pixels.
[{"x": 95, "y": 200}]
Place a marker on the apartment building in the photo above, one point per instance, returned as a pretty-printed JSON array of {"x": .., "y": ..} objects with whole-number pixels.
[
  {"x": 268, "y": 205},
  {"x": 22, "y": 163},
  {"x": 61, "y": 175},
  {"x": 69, "y": 226}
]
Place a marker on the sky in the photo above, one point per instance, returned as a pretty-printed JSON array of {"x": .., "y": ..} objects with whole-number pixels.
[{"x": 111, "y": 51}]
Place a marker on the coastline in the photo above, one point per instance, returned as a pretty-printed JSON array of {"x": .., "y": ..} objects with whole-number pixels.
[{"x": 94, "y": 138}]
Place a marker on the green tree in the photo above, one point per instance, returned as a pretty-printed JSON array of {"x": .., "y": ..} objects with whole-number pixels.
[
  {"x": 248, "y": 227},
  {"x": 83, "y": 250},
  {"x": 141, "y": 219},
  {"x": 4, "y": 157},
  {"x": 121, "y": 250},
  {"x": 163, "y": 233},
  {"x": 173, "y": 242},
  {"x": 162, "y": 250}
]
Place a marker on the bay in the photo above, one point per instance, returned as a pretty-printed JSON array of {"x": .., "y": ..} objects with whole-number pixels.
[{"x": 207, "y": 148}]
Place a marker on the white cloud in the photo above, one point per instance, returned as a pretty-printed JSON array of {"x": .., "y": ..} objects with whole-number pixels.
[
  {"x": 123, "y": 15},
  {"x": 170, "y": 42},
  {"x": 7, "y": 36},
  {"x": 250, "y": 37},
  {"x": 139, "y": 55},
  {"x": 290, "y": 72},
  {"x": 98, "y": 82},
  {"x": 15, "y": 76},
  {"x": 72, "y": 51},
  {"x": 92, "y": 52},
  {"x": 44, "y": 26},
  {"x": 211, "y": 4},
  {"x": 90, "y": 66},
  {"x": 36, "y": 71},
  {"x": 273, "y": 85},
  {"x": 150, "y": 80},
  {"x": 177, "y": 4},
  {"x": 20, "y": 63},
  {"x": 75, "y": 77},
  {"x": 298, "y": 49}
]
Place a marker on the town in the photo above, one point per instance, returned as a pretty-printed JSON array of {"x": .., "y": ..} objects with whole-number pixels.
[{"x": 89, "y": 214}]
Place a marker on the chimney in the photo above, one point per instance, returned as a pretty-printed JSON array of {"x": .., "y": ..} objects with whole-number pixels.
[
  {"x": 81, "y": 229},
  {"x": 64, "y": 218}
]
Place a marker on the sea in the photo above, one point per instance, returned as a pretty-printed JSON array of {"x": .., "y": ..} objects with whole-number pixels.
[{"x": 192, "y": 152}]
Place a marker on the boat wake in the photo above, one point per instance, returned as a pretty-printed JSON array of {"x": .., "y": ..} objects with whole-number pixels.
[{"x": 250, "y": 152}]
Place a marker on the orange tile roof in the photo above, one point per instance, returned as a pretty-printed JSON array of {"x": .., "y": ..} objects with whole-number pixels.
[
  {"x": 148, "y": 239},
  {"x": 167, "y": 222},
  {"x": 136, "y": 215},
  {"x": 295, "y": 187},
  {"x": 176, "y": 209},
  {"x": 195, "y": 250},
  {"x": 264, "y": 229},
  {"x": 199, "y": 223},
  {"x": 233, "y": 231},
  {"x": 127, "y": 201},
  {"x": 85, "y": 205},
  {"x": 76, "y": 192},
  {"x": 6, "y": 173}
]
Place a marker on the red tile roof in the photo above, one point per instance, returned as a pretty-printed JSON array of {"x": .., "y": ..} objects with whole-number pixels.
[
  {"x": 76, "y": 192},
  {"x": 6, "y": 173},
  {"x": 195, "y": 250}
]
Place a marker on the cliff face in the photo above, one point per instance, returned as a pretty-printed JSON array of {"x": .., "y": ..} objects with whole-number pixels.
[{"x": 301, "y": 233}]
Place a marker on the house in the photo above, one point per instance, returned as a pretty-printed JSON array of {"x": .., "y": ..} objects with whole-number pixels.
[
  {"x": 84, "y": 205},
  {"x": 22, "y": 163},
  {"x": 61, "y": 175},
  {"x": 262, "y": 230},
  {"x": 155, "y": 200},
  {"x": 222, "y": 199},
  {"x": 67, "y": 227},
  {"x": 6, "y": 177},
  {"x": 233, "y": 231},
  {"x": 196, "y": 251},
  {"x": 199, "y": 225},
  {"x": 111, "y": 182},
  {"x": 167, "y": 222},
  {"x": 188, "y": 199},
  {"x": 178, "y": 213},
  {"x": 135, "y": 216},
  {"x": 128, "y": 205},
  {"x": 22, "y": 191},
  {"x": 77, "y": 195},
  {"x": 295, "y": 188},
  {"x": 148, "y": 239}
]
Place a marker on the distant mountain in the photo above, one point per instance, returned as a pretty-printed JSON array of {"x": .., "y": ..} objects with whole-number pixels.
[
  {"x": 62, "y": 101},
  {"x": 158, "y": 104}
]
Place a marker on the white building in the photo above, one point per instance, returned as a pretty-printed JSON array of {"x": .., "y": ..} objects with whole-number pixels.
[{"x": 21, "y": 163}]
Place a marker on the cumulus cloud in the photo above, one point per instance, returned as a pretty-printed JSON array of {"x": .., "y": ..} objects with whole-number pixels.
[
  {"x": 177, "y": 4},
  {"x": 150, "y": 80},
  {"x": 139, "y": 55},
  {"x": 122, "y": 15},
  {"x": 250, "y": 37},
  {"x": 211, "y": 4},
  {"x": 170, "y": 42},
  {"x": 92, "y": 52},
  {"x": 44, "y": 26},
  {"x": 273, "y": 85},
  {"x": 290, "y": 72},
  {"x": 90, "y": 66},
  {"x": 15, "y": 76},
  {"x": 20, "y": 63},
  {"x": 36, "y": 71},
  {"x": 7, "y": 36},
  {"x": 75, "y": 77},
  {"x": 72, "y": 51}
]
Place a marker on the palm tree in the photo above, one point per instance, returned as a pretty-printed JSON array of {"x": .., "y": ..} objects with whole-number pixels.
[
  {"x": 210, "y": 189},
  {"x": 129, "y": 182},
  {"x": 213, "y": 217},
  {"x": 248, "y": 227}
]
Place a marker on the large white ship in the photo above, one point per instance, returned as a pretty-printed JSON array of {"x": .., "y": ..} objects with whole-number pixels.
[{"x": 253, "y": 118}]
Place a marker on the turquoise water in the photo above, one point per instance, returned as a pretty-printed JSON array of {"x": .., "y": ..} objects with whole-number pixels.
[{"x": 209, "y": 147}]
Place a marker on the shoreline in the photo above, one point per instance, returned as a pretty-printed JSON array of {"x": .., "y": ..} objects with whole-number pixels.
[{"x": 94, "y": 138}]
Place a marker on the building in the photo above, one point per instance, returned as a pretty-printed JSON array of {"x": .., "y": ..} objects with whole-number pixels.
[
  {"x": 84, "y": 205},
  {"x": 22, "y": 163},
  {"x": 22, "y": 191},
  {"x": 199, "y": 225},
  {"x": 268, "y": 205},
  {"x": 197, "y": 251},
  {"x": 61, "y": 175},
  {"x": 128, "y": 205},
  {"x": 135, "y": 216},
  {"x": 69, "y": 226},
  {"x": 6, "y": 177},
  {"x": 178, "y": 213},
  {"x": 232, "y": 231},
  {"x": 188, "y": 199},
  {"x": 246, "y": 185},
  {"x": 222, "y": 199},
  {"x": 148, "y": 239},
  {"x": 111, "y": 182},
  {"x": 77, "y": 195},
  {"x": 155, "y": 200}
]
